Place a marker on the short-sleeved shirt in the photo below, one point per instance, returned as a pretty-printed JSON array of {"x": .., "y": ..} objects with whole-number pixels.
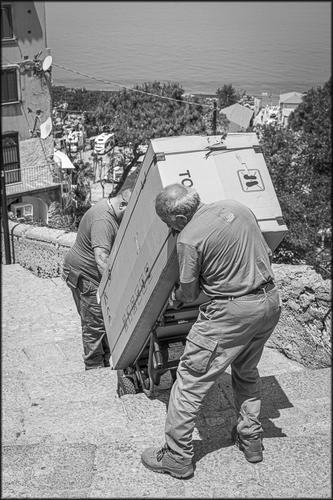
[
  {"x": 98, "y": 228},
  {"x": 223, "y": 249}
]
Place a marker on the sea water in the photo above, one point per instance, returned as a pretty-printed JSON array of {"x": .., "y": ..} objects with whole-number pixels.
[{"x": 272, "y": 47}]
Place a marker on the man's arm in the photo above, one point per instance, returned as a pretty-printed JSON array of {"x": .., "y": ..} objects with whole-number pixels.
[
  {"x": 103, "y": 233},
  {"x": 189, "y": 267},
  {"x": 187, "y": 292},
  {"x": 101, "y": 256}
]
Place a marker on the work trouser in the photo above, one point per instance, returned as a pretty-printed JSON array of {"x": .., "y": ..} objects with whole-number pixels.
[
  {"x": 95, "y": 343},
  {"x": 226, "y": 332}
]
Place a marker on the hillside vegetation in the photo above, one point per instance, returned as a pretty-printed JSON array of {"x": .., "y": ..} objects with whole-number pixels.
[
  {"x": 299, "y": 159},
  {"x": 298, "y": 156}
]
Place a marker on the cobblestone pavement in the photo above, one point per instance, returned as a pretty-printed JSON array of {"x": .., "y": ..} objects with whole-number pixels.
[{"x": 66, "y": 434}]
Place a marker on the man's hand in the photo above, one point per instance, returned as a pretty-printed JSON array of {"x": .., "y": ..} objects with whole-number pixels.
[{"x": 174, "y": 303}]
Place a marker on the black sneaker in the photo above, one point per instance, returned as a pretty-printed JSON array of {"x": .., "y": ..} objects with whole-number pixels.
[
  {"x": 251, "y": 447},
  {"x": 162, "y": 460}
]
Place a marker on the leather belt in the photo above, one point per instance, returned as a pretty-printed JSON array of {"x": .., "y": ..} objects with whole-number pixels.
[{"x": 265, "y": 287}]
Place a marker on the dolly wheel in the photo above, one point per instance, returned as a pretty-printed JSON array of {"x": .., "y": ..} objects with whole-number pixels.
[
  {"x": 125, "y": 385},
  {"x": 148, "y": 387},
  {"x": 145, "y": 382}
]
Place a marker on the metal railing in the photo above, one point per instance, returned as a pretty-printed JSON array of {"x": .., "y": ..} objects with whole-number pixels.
[{"x": 26, "y": 179}]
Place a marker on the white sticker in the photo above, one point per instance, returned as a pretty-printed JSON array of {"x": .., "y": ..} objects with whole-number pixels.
[{"x": 251, "y": 180}]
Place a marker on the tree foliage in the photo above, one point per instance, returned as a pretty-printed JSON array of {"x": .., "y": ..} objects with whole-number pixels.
[
  {"x": 227, "y": 95},
  {"x": 313, "y": 117},
  {"x": 137, "y": 116},
  {"x": 79, "y": 99},
  {"x": 299, "y": 160}
]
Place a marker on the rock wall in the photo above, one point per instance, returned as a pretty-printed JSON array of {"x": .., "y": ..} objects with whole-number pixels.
[
  {"x": 302, "y": 334},
  {"x": 304, "y": 330},
  {"x": 39, "y": 249}
]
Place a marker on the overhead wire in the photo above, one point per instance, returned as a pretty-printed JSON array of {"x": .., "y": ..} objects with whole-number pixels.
[
  {"x": 130, "y": 89},
  {"x": 108, "y": 82}
]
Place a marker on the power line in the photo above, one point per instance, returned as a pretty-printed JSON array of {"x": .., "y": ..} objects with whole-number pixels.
[{"x": 108, "y": 82}]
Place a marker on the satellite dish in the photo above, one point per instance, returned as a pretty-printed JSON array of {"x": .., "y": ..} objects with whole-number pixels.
[
  {"x": 47, "y": 63},
  {"x": 45, "y": 128}
]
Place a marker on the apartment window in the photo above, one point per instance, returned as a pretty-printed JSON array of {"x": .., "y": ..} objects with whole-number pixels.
[
  {"x": 11, "y": 158},
  {"x": 7, "y": 32},
  {"x": 9, "y": 85}
]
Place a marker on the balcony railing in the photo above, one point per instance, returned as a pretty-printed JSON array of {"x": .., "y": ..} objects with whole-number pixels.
[{"x": 31, "y": 178}]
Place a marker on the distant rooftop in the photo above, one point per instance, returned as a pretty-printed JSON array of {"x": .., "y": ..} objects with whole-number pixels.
[
  {"x": 236, "y": 113},
  {"x": 291, "y": 98}
]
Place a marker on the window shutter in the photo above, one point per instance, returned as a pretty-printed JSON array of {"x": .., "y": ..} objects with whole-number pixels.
[
  {"x": 11, "y": 158},
  {"x": 6, "y": 22},
  {"x": 9, "y": 91}
]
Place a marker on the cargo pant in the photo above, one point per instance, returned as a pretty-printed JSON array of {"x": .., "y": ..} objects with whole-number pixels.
[
  {"x": 227, "y": 332},
  {"x": 95, "y": 343}
]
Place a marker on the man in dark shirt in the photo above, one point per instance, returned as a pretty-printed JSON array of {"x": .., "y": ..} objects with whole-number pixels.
[
  {"x": 83, "y": 268},
  {"x": 221, "y": 252}
]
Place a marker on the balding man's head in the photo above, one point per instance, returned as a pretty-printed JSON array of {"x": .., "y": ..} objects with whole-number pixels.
[
  {"x": 176, "y": 205},
  {"x": 175, "y": 191}
]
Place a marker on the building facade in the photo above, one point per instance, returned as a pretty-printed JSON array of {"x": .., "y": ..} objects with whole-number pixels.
[
  {"x": 31, "y": 178},
  {"x": 288, "y": 102}
]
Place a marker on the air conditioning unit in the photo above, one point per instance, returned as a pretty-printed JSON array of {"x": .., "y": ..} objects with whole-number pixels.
[{"x": 24, "y": 210}]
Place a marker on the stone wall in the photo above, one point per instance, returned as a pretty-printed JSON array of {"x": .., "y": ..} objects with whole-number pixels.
[
  {"x": 39, "y": 249},
  {"x": 304, "y": 330}
]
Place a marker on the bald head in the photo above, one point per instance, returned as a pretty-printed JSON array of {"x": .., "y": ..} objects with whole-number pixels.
[
  {"x": 175, "y": 191},
  {"x": 176, "y": 205}
]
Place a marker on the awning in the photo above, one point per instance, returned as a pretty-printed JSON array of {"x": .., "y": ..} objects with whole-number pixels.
[{"x": 62, "y": 160}]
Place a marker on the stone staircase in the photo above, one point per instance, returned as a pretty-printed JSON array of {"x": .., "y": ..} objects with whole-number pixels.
[{"x": 67, "y": 434}]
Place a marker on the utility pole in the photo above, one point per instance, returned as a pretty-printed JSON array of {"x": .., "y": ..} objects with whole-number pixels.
[
  {"x": 4, "y": 218},
  {"x": 214, "y": 118}
]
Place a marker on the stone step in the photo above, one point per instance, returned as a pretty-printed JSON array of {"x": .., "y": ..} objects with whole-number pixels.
[
  {"x": 67, "y": 434},
  {"x": 114, "y": 470},
  {"x": 52, "y": 404}
]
